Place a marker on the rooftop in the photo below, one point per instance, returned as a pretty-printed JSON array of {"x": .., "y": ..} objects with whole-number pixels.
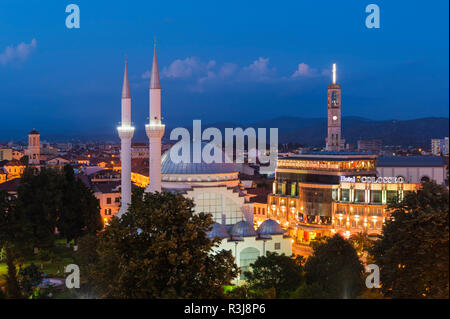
[{"x": 410, "y": 161}]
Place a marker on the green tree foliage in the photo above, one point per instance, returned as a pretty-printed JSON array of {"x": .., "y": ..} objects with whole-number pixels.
[
  {"x": 52, "y": 198},
  {"x": 280, "y": 272},
  {"x": 333, "y": 271},
  {"x": 159, "y": 249},
  {"x": 413, "y": 252},
  {"x": 39, "y": 201},
  {"x": 361, "y": 242},
  {"x": 9, "y": 227},
  {"x": 79, "y": 211},
  {"x": 245, "y": 292},
  {"x": 12, "y": 284},
  {"x": 29, "y": 277}
]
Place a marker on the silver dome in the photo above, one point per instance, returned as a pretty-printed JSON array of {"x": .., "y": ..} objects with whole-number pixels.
[
  {"x": 243, "y": 229},
  {"x": 218, "y": 230},
  {"x": 170, "y": 167},
  {"x": 270, "y": 227}
]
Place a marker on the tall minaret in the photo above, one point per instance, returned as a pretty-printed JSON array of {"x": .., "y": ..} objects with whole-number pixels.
[
  {"x": 126, "y": 132},
  {"x": 155, "y": 129},
  {"x": 334, "y": 141}
]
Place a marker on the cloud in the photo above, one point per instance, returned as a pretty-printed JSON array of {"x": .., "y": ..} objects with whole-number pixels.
[
  {"x": 18, "y": 53},
  {"x": 304, "y": 70},
  {"x": 259, "y": 70},
  {"x": 227, "y": 70}
]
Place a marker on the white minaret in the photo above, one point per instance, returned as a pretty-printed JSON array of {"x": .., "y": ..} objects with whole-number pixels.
[
  {"x": 155, "y": 129},
  {"x": 126, "y": 132}
]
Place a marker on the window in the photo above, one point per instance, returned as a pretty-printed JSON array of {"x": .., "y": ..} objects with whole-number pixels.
[
  {"x": 345, "y": 195},
  {"x": 248, "y": 257},
  {"x": 359, "y": 196},
  {"x": 277, "y": 246},
  {"x": 334, "y": 98},
  {"x": 107, "y": 211},
  {"x": 117, "y": 200},
  {"x": 108, "y": 200},
  {"x": 375, "y": 196},
  {"x": 392, "y": 196}
]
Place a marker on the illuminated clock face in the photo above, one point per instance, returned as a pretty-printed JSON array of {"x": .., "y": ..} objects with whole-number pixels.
[{"x": 334, "y": 118}]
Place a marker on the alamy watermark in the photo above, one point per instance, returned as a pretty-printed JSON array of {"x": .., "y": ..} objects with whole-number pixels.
[
  {"x": 373, "y": 279},
  {"x": 73, "y": 19},
  {"x": 212, "y": 137},
  {"x": 373, "y": 19}
]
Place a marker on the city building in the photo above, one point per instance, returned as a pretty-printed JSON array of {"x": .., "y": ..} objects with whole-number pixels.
[
  {"x": 373, "y": 146},
  {"x": 13, "y": 169},
  {"x": 306, "y": 185},
  {"x": 440, "y": 147},
  {"x": 6, "y": 154},
  {"x": 247, "y": 244},
  {"x": 362, "y": 206},
  {"x": 139, "y": 150},
  {"x": 413, "y": 169}
]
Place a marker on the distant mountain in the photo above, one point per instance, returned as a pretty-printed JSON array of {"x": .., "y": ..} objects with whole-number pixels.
[{"x": 312, "y": 131}]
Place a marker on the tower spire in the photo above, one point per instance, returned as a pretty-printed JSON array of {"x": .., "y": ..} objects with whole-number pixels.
[
  {"x": 334, "y": 73},
  {"x": 126, "y": 83},
  {"x": 154, "y": 80}
]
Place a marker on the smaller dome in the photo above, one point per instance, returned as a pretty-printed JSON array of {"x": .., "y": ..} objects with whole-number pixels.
[
  {"x": 270, "y": 227},
  {"x": 218, "y": 230},
  {"x": 243, "y": 229},
  {"x": 34, "y": 132}
]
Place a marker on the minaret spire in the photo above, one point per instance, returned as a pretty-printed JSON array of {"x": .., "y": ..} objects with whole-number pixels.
[
  {"x": 154, "y": 80},
  {"x": 126, "y": 83}
]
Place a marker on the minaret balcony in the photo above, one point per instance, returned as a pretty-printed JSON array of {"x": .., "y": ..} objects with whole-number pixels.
[
  {"x": 125, "y": 132},
  {"x": 155, "y": 130}
]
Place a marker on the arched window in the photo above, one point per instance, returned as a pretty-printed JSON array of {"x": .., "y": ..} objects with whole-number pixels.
[{"x": 248, "y": 256}]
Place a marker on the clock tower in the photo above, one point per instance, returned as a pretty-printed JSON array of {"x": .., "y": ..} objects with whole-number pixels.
[{"x": 334, "y": 141}]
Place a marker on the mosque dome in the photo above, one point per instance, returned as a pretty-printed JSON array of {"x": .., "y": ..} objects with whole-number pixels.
[
  {"x": 243, "y": 229},
  {"x": 218, "y": 230},
  {"x": 270, "y": 227},
  {"x": 168, "y": 166}
]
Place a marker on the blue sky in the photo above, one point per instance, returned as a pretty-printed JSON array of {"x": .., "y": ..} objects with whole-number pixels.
[{"x": 240, "y": 61}]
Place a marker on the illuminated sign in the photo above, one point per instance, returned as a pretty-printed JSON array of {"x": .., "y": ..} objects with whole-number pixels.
[{"x": 372, "y": 179}]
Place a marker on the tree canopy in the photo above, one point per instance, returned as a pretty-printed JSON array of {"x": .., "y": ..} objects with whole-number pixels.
[
  {"x": 160, "y": 249},
  {"x": 334, "y": 270},
  {"x": 280, "y": 272},
  {"x": 413, "y": 252}
]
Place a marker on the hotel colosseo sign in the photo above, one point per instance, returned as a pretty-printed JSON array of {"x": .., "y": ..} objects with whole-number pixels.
[{"x": 373, "y": 179}]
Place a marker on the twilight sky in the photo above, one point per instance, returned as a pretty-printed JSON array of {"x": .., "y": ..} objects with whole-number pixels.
[{"x": 234, "y": 60}]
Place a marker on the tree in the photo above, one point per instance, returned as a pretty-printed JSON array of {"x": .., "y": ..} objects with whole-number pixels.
[
  {"x": 334, "y": 270},
  {"x": 80, "y": 210},
  {"x": 280, "y": 272},
  {"x": 361, "y": 242},
  {"x": 39, "y": 201},
  {"x": 30, "y": 277},
  {"x": 159, "y": 249},
  {"x": 413, "y": 251},
  {"x": 9, "y": 231}
]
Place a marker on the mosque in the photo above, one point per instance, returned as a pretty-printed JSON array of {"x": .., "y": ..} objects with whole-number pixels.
[{"x": 214, "y": 187}]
